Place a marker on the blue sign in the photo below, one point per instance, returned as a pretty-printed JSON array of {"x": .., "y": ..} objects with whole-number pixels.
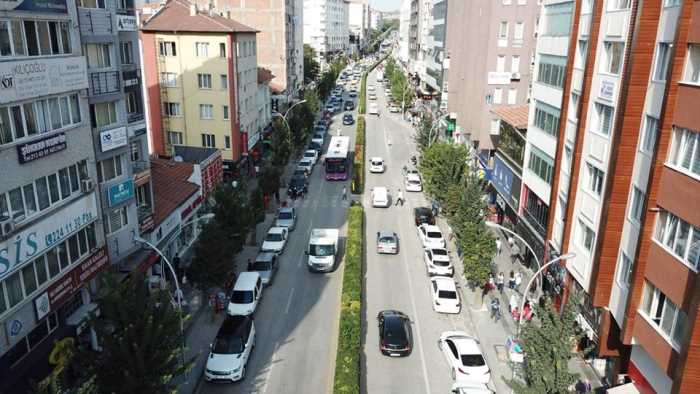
[
  {"x": 504, "y": 180},
  {"x": 40, "y": 6},
  {"x": 120, "y": 192}
]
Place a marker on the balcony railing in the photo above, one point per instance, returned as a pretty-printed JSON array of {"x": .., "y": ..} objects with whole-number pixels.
[{"x": 104, "y": 82}]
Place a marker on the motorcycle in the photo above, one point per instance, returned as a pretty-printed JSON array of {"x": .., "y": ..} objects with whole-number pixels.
[{"x": 414, "y": 160}]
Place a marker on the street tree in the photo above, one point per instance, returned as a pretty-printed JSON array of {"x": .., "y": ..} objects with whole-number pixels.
[
  {"x": 140, "y": 336},
  {"x": 425, "y": 135},
  {"x": 311, "y": 67},
  {"x": 441, "y": 165},
  {"x": 213, "y": 257},
  {"x": 548, "y": 342},
  {"x": 270, "y": 183},
  {"x": 281, "y": 142},
  {"x": 232, "y": 211}
]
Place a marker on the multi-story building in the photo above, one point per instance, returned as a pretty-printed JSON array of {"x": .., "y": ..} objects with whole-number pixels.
[
  {"x": 626, "y": 187},
  {"x": 327, "y": 31},
  {"x": 210, "y": 99},
  {"x": 503, "y": 34},
  {"x": 404, "y": 31},
  {"x": 434, "y": 51},
  {"x": 375, "y": 19},
  {"x": 413, "y": 34},
  {"x": 358, "y": 23},
  {"x": 52, "y": 241}
]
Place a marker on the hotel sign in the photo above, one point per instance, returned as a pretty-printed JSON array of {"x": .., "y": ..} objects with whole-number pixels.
[
  {"x": 41, "y": 148},
  {"x": 24, "y": 79}
]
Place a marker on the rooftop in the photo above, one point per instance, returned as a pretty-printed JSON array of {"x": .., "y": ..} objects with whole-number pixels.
[
  {"x": 194, "y": 154},
  {"x": 175, "y": 17},
  {"x": 515, "y": 116},
  {"x": 171, "y": 187}
]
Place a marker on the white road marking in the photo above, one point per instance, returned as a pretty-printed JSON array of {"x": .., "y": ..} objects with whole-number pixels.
[
  {"x": 269, "y": 370},
  {"x": 289, "y": 301}
]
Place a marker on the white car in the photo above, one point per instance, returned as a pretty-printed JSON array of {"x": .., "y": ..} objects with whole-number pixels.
[
  {"x": 372, "y": 96},
  {"x": 471, "y": 388},
  {"x": 231, "y": 350},
  {"x": 393, "y": 108},
  {"x": 275, "y": 240},
  {"x": 445, "y": 295},
  {"x": 373, "y": 109},
  {"x": 430, "y": 236},
  {"x": 380, "y": 197},
  {"x": 413, "y": 183},
  {"x": 376, "y": 165},
  {"x": 370, "y": 88},
  {"x": 464, "y": 357},
  {"x": 437, "y": 262},
  {"x": 307, "y": 164},
  {"x": 311, "y": 154}
]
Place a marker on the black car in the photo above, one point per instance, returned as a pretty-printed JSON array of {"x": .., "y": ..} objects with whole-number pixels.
[
  {"x": 349, "y": 105},
  {"x": 316, "y": 146},
  {"x": 297, "y": 186},
  {"x": 395, "y": 337},
  {"x": 423, "y": 215},
  {"x": 348, "y": 119}
]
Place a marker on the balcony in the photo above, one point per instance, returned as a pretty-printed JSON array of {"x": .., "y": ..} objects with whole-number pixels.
[
  {"x": 104, "y": 82},
  {"x": 142, "y": 171},
  {"x": 95, "y": 21}
]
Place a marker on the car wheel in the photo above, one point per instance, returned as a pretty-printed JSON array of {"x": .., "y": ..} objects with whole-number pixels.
[{"x": 243, "y": 373}]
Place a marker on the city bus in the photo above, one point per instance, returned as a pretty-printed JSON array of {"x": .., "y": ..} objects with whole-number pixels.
[{"x": 337, "y": 162}]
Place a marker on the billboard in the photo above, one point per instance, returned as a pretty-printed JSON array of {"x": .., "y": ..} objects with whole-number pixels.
[
  {"x": 30, "y": 78},
  {"x": 38, "y": 6}
]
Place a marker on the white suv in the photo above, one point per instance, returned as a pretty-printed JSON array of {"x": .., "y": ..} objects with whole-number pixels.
[{"x": 231, "y": 350}]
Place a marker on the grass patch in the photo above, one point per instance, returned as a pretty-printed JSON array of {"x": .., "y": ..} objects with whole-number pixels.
[
  {"x": 358, "y": 173},
  {"x": 347, "y": 361}
]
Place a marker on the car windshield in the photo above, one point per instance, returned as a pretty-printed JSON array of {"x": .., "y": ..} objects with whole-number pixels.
[
  {"x": 448, "y": 294},
  {"x": 434, "y": 234},
  {"x": 335, "y": 166},
  {"x": 473, "y": 360},
  {"x": 228, "y": 345},
  {"x": 297, "y": 182},
  {"x": 242, "y": 297},
  {"x": 310, "y": 155},
  {"x": 321, "y": 250},
  {"x": 386, "y": 240},
  {"x": 441, "y": 263},
  {"x": 284, "y": 215},
  {"x": 274, "y": 237},
  {"x": 377, "y": 163},
  {"x": 261, "y": 266},
  {"x": 439, "y": 252},
  {"x": 413, "y": 182}
]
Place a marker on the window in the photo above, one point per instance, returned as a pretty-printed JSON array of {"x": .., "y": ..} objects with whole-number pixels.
[
  {"x": 519, "y": 32},
  {"x": 204, "y": 81},
  {"x": 624, "y": 271},
  {"x": 515, "y": 64},
  {"x": 581, "y": 53},
  {"x": 586, "y": 236},
  {"x": 613, "y": 57},
  {"x": 127, "y": 52},
  {"x": 663, "y": 54},
  {"x": 104, "y": 114},
  {"x": 27, "y": 119},
  {"x": 663, "y": 313},
  {"x": 512, "y": 95},
  {"x": 224, "y": 81},
  {"x": 98, "y": 55},
  {"x": 227, "y": 142},
  {"x": 116, "y": 220},
  {"x": 132, "y": 106},
  {"x": 605, "y": 115},
  {"x": 175, "y": 137},
  {"x": 651, "y": 128},
  {"x": 557, "y": 19},
  {"x": 201, "y": 49},
  {"x": 135, "y": 150},
  {"x": 109, "y": 169},
  {"x": 209, "y": 140},
  {"x": 692, "y": 64},
  {"x": 685, "y": 151},
  {"x": 679, "y": 238},
  {"x": 546, "y": 118},
  {"x": 618, "y": 5},
  {"x": 206, "y": 111},
  {"x": 171, "y": 109},
  {"x": 168, "y": 79},
  {"x": 225, "y": 111},
  {"x": 501, "y": 63},
  {"x": 637, "y": 204},
  {"x": 672, "y": 3},
  {"x": 497, "y": 93},
  {"x": 167, "y": 48},
  {"x": 222, "y": 49},
  {"x": 541, "y": 164},
  {"x": 91, "y": 3},
  {"x": 552, "y": 70},
  {"x": 503, "y": 30},
  {"x": 595, "y": 179},
  {"x": 33, "y": 38}
]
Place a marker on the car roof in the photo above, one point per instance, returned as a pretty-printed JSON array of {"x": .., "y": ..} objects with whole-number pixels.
[
  {"x": 422, "y": 210},
  {"x": 380, "y": 189},
  {"x": 285, "y": 209},
  {"x": 233, "y": 325},
  {"x": 246, "y": 280},
  {"x": 413, "y": 177},
  {"x": 392, "y": 312},
  {"x": 444, "y": 283},
  {"x": 466, "y": 344},
  {"x": 310, "y": 151},
  {"x": 387, "y": 233}
]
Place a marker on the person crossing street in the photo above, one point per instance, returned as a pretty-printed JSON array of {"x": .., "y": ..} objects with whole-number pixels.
[{"x": 399, "y": 198}]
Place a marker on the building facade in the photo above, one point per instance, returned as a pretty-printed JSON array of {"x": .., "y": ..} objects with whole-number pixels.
[
  {"x": 328, "y": 31},
  {"x": 210, "y": 100},
  {"x": 503, "y": 34},
  {"x": 358, "y": 23},
  {"x": 434, "y": 50},
  {"x": 404, "y": 31}
]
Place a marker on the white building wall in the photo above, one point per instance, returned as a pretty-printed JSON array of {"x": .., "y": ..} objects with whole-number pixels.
[
  {"x": 326, "y": 26},
  {"x": 404, "y": 24}
]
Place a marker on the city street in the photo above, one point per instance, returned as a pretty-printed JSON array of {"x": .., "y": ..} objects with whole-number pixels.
[{"x": 297, "y": 320}]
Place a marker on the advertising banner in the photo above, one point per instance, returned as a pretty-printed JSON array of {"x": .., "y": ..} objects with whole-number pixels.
[
  {"x": 126, "y": 23},
  {"x": 123, "y": 191},
  {"x": 38, "y": 6},
  {"x": 25, "y": 79},
  {"x": 41, "y": 148},
  {"x": 113, "y": 139}
]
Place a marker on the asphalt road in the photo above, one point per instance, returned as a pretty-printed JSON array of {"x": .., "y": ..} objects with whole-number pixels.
[
  {"x": 400, "y": 281},
  {"x": 297, "y": 320}
]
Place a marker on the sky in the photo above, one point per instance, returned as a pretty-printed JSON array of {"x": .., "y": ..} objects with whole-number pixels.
[{"x": 386, "y": 5}]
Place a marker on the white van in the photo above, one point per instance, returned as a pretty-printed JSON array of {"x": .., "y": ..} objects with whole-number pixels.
[
  {"x": 380, "y": 197},
  {"x": 246, "y": 294}
]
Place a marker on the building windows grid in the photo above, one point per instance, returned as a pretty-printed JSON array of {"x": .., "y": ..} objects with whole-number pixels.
[
  {"x": 201, "y": 49},
  {"x": 127, "y": 52},
  {"x": 684, "y": 154},
  {"x": 541, "y": 164},
  {"x": 116, "y": 220},
  {"x": 663, "y": 55},
  {"x": 595, "y": 179},
  {"x": 171, "y": 109},
  {"x": 614, "y": 5},
  {"x": 175, "y": 137},
  {"x": 208, "y": 140},
  {"x": 546, "y": 118},
  {"x": 624, "y": 271},
  {"x": 637, "y": 204},
  {"x": 167, "y": 48},
  {"x": 168, "y": 80},
  {"x": 679, "y": 238},
  {"x": 25, "y": 120},
  {"x": 206, "y": 111},
  {"x": 586, "y": 236},
  {"x": 691, "y": 73},
  {"x": 103, "y": 114},
  {"x": 605, "y": 117},
  {"x": 651, "y": 130},
  {"x": 110, "y": 168},
  {"x": 612, "y": 63},
  {"x": 552, "y": 71},
  {"x": 98, "y": 55},
  {"x": 664, "y": 315},
  {"x": 34, "y": 38},
  {"x": 204, "y": 81}
]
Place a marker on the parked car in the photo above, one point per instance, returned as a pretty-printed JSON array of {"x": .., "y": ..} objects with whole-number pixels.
[
  {"x": 349, "y": 106},
  {"x": 265, "y": 264},
  {"x": 387, "y": 242},
  {"x": 231, "y": 350},
  {"x": 312, "y": 155},
  {"x": 430, "y": 236},
  {"x": 315, "y": 145},
  {"x": 370, "y": 88},
  {"x": 348, "y": 119},
  {"x": 423, "y": 215},
  {"x": 307, "y": 164},
  {"x": 464, "y": 356},
  {"x": 471, "y": 388},
  {"x": 395, "y": 336},
  {"x": 413, "y": 183},
  {"x": 376, "y": 165},
  {"x": 437, "y": 262},
  {"x": 352, "y": 93},
  {"x": 445, "y": 295},
  {"x": 245, "y": 295},
  {"x": 275, "y": 240},
  {"x": 286, "y": 217},
  {"x": 372, "y": 96},
  {"x": 297, "y": 186}
]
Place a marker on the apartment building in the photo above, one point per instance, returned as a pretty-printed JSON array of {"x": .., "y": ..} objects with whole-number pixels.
[
  {"x": 358, "y": 23},
  {"x": 280, "y": 43},
  {"x": 376, "y": 18},
  {"x": 52, "y": 241},
  {"x": 490, "y": 45},
  {"x": 626, "y": 187},
  {"x": 434, "y": 51},
  {"x": 327, "y": 31},
  {"x": 404, "y": 29},
  {"x": 202, "y": 77},
  {"x": 414, "y": 34}
]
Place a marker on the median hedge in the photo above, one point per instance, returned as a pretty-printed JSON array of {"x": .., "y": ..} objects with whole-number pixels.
[
  {"x": 358, "y": 175},
  {"x": 363, "y": 95},
  {"x": 347, "y": 361}
]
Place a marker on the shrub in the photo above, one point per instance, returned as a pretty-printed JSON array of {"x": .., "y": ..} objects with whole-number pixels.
[{"x": 359, "y": 159}]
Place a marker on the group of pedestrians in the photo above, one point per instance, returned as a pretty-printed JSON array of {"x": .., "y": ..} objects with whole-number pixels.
[{"x": 515, "y": 279}]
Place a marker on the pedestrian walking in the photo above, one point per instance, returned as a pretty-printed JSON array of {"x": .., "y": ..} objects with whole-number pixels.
[
  {"x": 399, "y": 198},
  {"x": 514, "y": 253},
  {"x": 250, "y": 265},
  {"x": 495, "y": 308},
  {"x": 277, "y": 196},
  {"x": 513, "y": 302},
  {"x": 499, "y": 245},
  {"x": 492, "y": 282},
  {"x": 511, "y": 242},
  {"x": 518, "y": 280},
  {"x": 511, "y": 280},
  {"x": 345, "y": 193},
  {"x": 500, "y": 281}
]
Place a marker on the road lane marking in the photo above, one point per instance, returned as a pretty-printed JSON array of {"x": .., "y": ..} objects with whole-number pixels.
[
  {"x": 289, "y": 301},
  {"x": 269, "y": 370}
]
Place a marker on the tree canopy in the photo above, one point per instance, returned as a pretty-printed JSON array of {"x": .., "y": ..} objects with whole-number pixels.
[{"x": 311, "y": 67}]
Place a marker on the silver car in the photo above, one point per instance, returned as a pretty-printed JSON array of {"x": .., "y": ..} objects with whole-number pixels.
[
  {"x": 286, "y": 217},
  {"x": 266, "y": 265},
  {"x": 387, "y": 242}
]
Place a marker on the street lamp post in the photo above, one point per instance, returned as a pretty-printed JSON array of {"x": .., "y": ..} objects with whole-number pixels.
[
  {"x": 567, "y": 256},
  {"x": 513, "y": 233},
  {"x": 284, "y": 117}
]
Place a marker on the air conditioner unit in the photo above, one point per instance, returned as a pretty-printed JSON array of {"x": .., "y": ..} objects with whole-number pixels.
[
  {"x": 86, "y": 185},
  {"x": 7, "y": 227},
  {"x": 515, "y": 76}
]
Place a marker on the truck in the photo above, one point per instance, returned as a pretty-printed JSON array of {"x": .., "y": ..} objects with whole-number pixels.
[{"x": 322, "y": 249}]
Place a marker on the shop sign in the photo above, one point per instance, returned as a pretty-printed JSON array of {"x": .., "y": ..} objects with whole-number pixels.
[
  {"x": 498, "y": 78},
  {"x": 607, "y": 88},
  {"x": 253, "y": 139},
  {"x": 120, "y": 192},
  {"x": 62, "y": 290},
  {"x": 19, "y": 325},
  {"x": 37, "y": 6},
  {"x": 113, "y": 139},
  {"x": 146, "y": 224},
  {"x": 126, "y": 23},
  {"x": 24, "y": 79},
  {"x": 191, "y": 207},
  {"x": 41, "y": 148},
  {"x": 35, "y": 240}
]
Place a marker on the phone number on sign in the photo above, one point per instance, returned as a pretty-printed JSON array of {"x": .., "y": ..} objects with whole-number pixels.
[{"x": 68, "y": 228}]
